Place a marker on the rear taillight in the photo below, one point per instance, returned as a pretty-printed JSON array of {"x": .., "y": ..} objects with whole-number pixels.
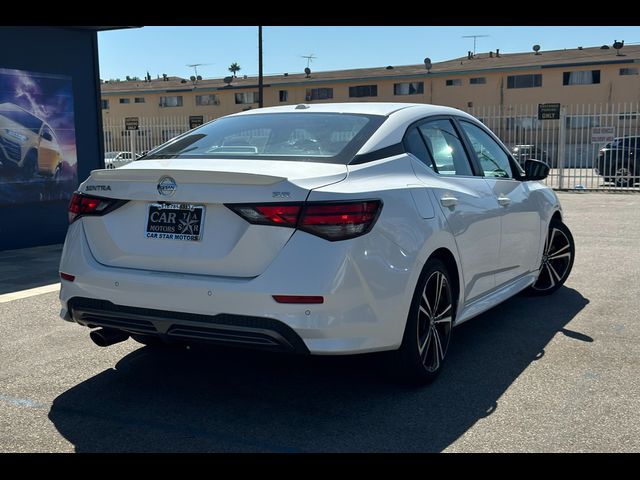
[
  {"x": 82, "y": 205},
  {"x": 285, "y": 214},
  {"x": 339, "y": 221},
  {"x": 330, "y": 220}
]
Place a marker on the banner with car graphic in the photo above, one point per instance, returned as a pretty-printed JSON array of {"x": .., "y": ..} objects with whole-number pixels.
[{"x": 37, "y": 137}]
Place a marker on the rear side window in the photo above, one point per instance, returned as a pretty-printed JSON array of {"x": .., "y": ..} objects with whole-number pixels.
[
  {"x": 311, "y": 137},
  {"x": 445, "y": 147},
  {"x": 415, "y": 145}
]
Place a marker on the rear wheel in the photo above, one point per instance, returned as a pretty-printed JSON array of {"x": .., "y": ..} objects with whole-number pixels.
[
  {"x": 624, "y": 177},
  {"x": 557, "y": 260},
  {"x": 429, "y": 326}
]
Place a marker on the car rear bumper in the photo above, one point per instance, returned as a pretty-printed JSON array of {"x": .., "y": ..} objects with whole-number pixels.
[{"x": 358, "y": 315}]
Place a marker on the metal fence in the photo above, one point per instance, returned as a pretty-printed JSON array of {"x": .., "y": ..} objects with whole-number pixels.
[
  {"x": 572, "y": 145},
  {"x": 590, "y": 147}
]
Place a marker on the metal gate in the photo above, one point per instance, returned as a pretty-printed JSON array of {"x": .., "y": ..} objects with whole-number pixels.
[
  {"x": 590, "y": 147},
  {"x": 151, "y": 132}
]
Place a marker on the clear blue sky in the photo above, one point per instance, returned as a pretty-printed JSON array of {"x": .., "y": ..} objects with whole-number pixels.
[{"x": 169, "y": 49}]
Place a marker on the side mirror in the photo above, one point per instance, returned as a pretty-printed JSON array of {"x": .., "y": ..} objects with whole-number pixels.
[{"x": 535, "y": 170}]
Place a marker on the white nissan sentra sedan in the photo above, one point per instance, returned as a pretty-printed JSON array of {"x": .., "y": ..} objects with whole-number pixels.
[{"x": 318, "y": 229}]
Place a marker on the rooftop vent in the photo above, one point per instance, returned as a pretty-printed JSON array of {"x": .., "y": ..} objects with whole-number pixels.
[
  {"x": 286, "y": 74},
  {"x": 491, "y": 54},
  {"x": 579, "y": 48},
  {"x": 604, "y": 47},
  {"x": 389, "y": 67}
]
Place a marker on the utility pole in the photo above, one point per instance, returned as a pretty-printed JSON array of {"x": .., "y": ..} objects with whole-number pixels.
[{"x": 260, "y": 82}]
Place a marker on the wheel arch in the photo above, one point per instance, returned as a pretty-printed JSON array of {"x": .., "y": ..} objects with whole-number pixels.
[{"x": 447, "y": 257}]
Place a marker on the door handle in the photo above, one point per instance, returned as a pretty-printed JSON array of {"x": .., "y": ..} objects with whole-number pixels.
[
  {"x": 449, "y": 201},
  {"x": 504, "y": 201}
]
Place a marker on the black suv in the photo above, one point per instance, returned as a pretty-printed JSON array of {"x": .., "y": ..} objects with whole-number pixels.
[
  {"x": 526, "y": 152},
  {"x": 617, "y": 161}
]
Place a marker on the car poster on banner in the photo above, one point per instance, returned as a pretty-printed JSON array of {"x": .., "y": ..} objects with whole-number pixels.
[{"x": 37, "y": 137}]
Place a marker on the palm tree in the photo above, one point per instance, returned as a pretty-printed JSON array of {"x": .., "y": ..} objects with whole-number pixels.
[{"x": 234, "y": 68}]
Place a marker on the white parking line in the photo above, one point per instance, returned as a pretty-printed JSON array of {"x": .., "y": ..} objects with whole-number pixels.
[{"x": 8, "y": 297}]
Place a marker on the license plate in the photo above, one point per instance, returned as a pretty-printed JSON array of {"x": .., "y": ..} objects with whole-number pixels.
[{"x": 175, "y": 221}]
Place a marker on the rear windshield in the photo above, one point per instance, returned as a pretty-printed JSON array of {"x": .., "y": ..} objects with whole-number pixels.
[{"x": 310, "y": 137}]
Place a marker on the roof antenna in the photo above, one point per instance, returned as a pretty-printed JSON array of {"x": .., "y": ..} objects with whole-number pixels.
[
  {"x": 195, "y": 69},
  {"x": 309, "y": 58},
  {"x": 474, "y": 40}
]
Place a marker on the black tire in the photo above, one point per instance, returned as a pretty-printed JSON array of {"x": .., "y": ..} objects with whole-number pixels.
[
  {"x": 58, "y": 173},
  {"x": 555, "y": 265},
  {"x": 151, "y": 341},
  {"x": 30, "y": 165},
  {"x": 420, "y": 366}
]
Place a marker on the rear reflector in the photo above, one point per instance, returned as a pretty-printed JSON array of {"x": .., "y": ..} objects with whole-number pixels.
[
  {"x": 330, "y": 220},
  {"x": 298, "y": 299},
  {"x": 67, "y": 277},
  {"x": 82, "y": 205}
]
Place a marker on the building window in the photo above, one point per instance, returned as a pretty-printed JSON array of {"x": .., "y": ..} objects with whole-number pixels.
[
  {"x": 408, "y": 88},
  {"x": 172, "y": 101},
  {"x": 319, "y": 93},
  {"x": 105, "y": 104},
  {"x": 478, "y": 81},
  {"x": 246, "y": 97},
  {"x": 363, "y": 91},
  {"x": 582, "y": 121},
  {"x": 125, "y": 100},
  {"x": 453, "y": 82},
  {"x": 204, "y": 100},
  {"x": 582, "y": 77},
  {"x": 629, "y": 71},
  {"x": 139, "y": 100},
  {"x": 284, "y": 95},
  {"x": 524, "y": 81}
]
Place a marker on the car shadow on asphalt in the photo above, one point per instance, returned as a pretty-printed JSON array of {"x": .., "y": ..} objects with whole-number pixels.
[{"x": 218, "y": 400}]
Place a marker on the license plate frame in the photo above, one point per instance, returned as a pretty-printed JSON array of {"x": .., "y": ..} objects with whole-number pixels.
[{"x": 174, "y": 221}]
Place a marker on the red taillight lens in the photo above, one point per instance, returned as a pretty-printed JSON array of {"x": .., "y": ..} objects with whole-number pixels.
[
  {"x": 329, "y": 220},
  {"x": 285, "y": 215},
  {"x": 86, "y": 205},
  {"x": 340, "y": 221}
]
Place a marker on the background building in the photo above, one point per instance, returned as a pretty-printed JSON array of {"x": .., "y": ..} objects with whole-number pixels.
[{"x": 571, "y": 76}]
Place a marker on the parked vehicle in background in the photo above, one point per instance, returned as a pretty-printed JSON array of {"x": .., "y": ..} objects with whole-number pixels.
[
  {"x": 328, "y": 229},
  {"x": 28, "y": 142},
  {"x": 617, "y": 161},
  {"x": 117, "y": 159},
  {"x": 525, "y": 152}
]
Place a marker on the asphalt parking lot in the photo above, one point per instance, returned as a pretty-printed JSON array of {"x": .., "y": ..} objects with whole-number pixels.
[{"x": 557, "y": 374}]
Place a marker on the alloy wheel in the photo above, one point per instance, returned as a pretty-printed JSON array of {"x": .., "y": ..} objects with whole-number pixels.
[
  {"x": 623, "y": 177},
  {"x": 435, "y": 320},
  {"x": 556, "y": 260}
]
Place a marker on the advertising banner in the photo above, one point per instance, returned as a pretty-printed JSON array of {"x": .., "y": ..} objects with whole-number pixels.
[{"x": 37, "y": 137}]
